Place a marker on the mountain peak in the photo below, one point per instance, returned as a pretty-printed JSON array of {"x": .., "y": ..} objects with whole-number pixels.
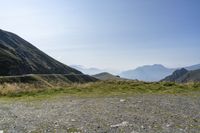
[{"x": 157, "y": 65}]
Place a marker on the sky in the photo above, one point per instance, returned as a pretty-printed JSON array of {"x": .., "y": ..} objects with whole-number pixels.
[{"x": 113, "y": 34}]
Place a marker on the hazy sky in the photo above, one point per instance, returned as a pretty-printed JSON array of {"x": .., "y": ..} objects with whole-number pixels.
[{"x": 117, "y": 34}]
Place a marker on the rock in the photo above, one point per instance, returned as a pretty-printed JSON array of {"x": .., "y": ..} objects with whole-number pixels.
[
  {"x": 123, "y": 124},
  {"x": 168, "y": 125},
  {"x": 122, "y": 100},
  {"x": 73, "y": 120},
  {"x": 181, "y": 129}
]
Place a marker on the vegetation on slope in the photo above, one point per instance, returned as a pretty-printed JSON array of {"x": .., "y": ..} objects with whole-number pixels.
[
  {"x": 176, "y": 75},
  {"x": 184, "y": 76},
  {"x": 99, "y": 89}
]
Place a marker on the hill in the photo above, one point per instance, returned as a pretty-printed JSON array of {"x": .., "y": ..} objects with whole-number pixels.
[
  {"x": 148, "y": 73},
  {"x": 184, "y": 76},
  {"x": 18, "y": 57},
  {"x": 106, "y": 76}
]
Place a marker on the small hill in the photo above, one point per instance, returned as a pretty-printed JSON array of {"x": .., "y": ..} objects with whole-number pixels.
[
  {"x": 148, "y": 73},
  {"x": 18, "y": 57},
  {"x": 106, "y": 76},
  {"x": 184, "y": 76}
]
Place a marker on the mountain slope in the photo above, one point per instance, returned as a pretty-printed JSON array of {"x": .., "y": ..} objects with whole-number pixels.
[
  {"x": 48, "y": 79},
  {"x": 18, "y": 57},
  {"x": 106, "y": 76},
  {"x": 176, "y": 75},
  {"x": 184, "y": 76},
  {"x": 191, "y": 76},
  {"x": 148, "y": 73}
]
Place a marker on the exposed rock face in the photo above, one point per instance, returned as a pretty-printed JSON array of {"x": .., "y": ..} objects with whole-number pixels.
[{"x": 18, "y": 57}]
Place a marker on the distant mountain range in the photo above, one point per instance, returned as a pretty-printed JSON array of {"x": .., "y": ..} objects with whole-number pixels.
[
  {"x": 148, "y": 73},
  {"x": 155, "y": 72},
  {"x": 183, "y": 76}
]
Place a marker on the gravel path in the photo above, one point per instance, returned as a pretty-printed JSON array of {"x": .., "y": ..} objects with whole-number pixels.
[{"x": 136, "y": 114}]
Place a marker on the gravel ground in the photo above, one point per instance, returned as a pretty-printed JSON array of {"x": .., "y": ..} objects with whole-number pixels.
[{"x": 136, "y": 114}]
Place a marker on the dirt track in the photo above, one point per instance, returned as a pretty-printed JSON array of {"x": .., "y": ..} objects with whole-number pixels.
[{"x": 136, "y": 114}]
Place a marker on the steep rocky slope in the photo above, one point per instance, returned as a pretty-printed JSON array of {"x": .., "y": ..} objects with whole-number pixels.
[{"x": 18, "y": 57}]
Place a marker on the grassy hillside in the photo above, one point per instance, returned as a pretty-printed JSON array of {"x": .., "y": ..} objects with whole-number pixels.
[
  {"x": 50, "y": 78},
  {"x": 10, "y": 85}
]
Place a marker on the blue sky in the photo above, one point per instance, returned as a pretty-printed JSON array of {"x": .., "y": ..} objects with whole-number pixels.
[{"x": 115, "y": 34}]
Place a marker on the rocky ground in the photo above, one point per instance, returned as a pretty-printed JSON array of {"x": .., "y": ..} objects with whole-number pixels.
[{"x": 135, "y": 114}]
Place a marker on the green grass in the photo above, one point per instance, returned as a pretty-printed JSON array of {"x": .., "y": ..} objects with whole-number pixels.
[
  {"x": 103, "y": 89},
  {"x": 73, "y": 130}
]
